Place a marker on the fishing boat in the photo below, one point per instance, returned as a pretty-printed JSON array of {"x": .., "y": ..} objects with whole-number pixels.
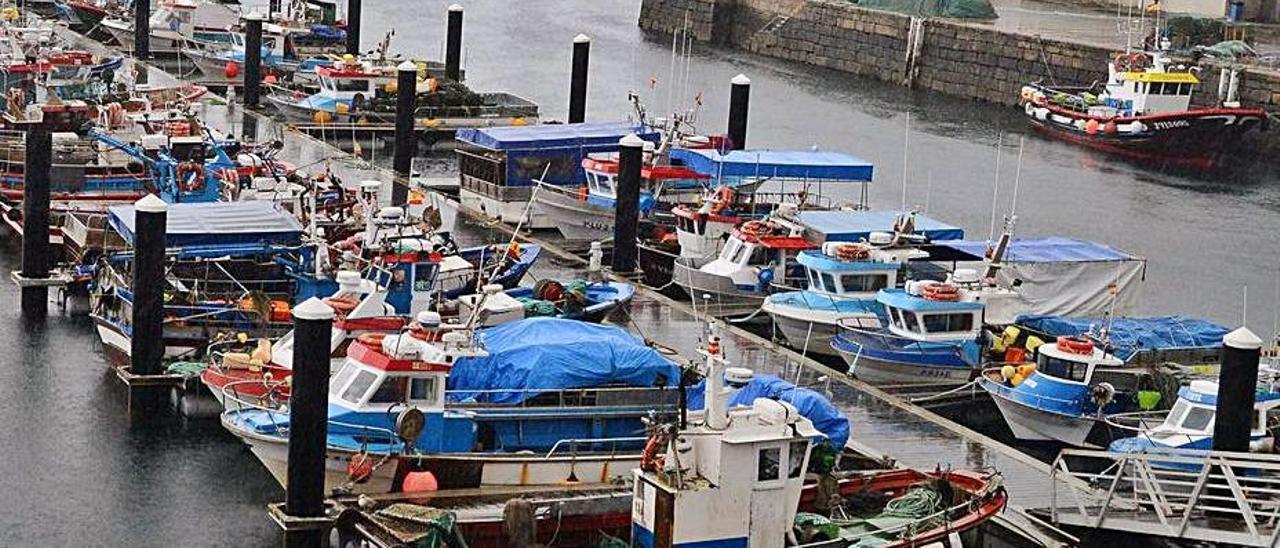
[
  {"x": 1143, "y": 111},
  {"x": 498, "y": 166},
  {"x": 534, "y": 402},
  {"x": 1188, "y": 425},
  {"x": 175, "y": 25},
  {"x": 760, "y": 256},
  {"x": 1089, "y": 371},
  {"x": 354, "y": 91}
]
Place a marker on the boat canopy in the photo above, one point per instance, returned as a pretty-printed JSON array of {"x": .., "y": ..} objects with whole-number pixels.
[
  {"x": 539, "y": 355},
  {"x": 1129, "y": 336},
  {"x": 218, "y": 224},
  {"x": 1042, "y": 250},
  {"x": 854, "y": 226},
  {"x": 900, "y": 299},
  {"x": 787, "y": 164},
  {"x": 591, "y": 137},
  {"x": 826, "y": 417}
]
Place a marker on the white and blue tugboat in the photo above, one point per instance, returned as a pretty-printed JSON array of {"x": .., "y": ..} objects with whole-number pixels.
[
  {"x": 1189, "y": 424},
  {"x": 539, "y": 401},
  {"x": 932, "y": 334}
]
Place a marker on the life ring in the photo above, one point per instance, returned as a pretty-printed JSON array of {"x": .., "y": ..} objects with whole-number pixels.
[
  {"x": 417, "y": 331},
  {"x": 941, "y": 292},
  {"x": 371, "y": 339},
  {"x": 189, "y": 184},
  {"x": 724, "y": 197},
  {"x": 341, "y": 305},
  {"x": 1075, "y": 345},
  {"x": 852, "y": 252},
  {"x": 756, "y": 228}
]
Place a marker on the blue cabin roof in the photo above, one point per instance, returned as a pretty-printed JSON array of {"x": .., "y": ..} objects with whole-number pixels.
[
  {"x": 899, "y": 298},
  {"x": 1044, "y": 250},
  {"x": 553, "y": 136},
  {"x": 792, "y": 164},
  {"x": 1206, "y": 398},
  {"x": 218, "y": 224},
  {"x": 819, "y": 261},
  {"x": 853, "y": 226}
]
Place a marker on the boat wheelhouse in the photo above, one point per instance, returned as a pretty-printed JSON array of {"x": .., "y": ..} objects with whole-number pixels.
[
  {"x": 507, "y": 417},
  {"x": 498, "y": 166},
  {"x": 1143, "y": 111},
  {"x": 932, "y": 334},
  {"x": 1189, "y": 423},
  {"x": 176, "y": 25}
]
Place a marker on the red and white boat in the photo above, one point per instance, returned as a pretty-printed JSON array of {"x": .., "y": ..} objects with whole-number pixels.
[{"x": 1144, "y": 112}]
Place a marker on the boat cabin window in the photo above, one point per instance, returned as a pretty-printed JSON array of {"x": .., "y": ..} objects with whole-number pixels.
[
  {"x": 903, "y": 319},
  {"x": 423, "y": 390},
  {"x": 601, "y": 185},
  {"x": 424, "y": 276},
  {"x": 730, "y": 249},
  {"x": 1062, "y": 369},
  {"x": 1198, "y": 418},
  {"x": 691, "y": 225},
  {"x": 391, "y": 390},
  {"x": 863, "y": 283},
  {"x": 340, "y": 379},
  {"x": 359, "y": 386},
  {"x": 795, "y": 458},
  {"x": 829, "y": 283},
  {"x": 343, "y": 84},
  {"x": 767, "y": 464},
  {"x": 948, "y": 323}
]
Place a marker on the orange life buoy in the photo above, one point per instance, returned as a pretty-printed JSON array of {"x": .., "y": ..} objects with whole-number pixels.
[
  {"x": 371, "y": 339},
  {"x": 755, "y": 228},
  {"x": 1075, "y": 345},
  {"x": 852, "y": 252},
  {"x": 724, "y": 197},
  {"x": 185, "y": 181},
  {"x": 341, "y": 305},
  {"x": 941, "y": 292}
]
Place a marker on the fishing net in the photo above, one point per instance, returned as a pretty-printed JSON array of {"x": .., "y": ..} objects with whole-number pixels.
[
  {"x": 959, "y": 9},
  {"x": 1186, "y": 32}
]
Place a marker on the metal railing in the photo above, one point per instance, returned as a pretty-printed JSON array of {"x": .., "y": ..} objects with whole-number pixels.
[
  {"x": 574, "y": 443},
  {"x": 1177, "y": 493}
]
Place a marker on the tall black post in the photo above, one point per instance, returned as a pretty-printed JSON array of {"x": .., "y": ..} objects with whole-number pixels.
[
  {"x": 406, "y": 104},
  {"x": 142, "y": 29},
  {"x": 739, "y": 100},
  {"x": 353, "y": 27},
  {"x": 627, "y": 210},
  {"x": 453, "y": 45},
  {"x": 252, "y": 59},
  {"x": 146, "y": 345},
  {"x": 308, "y": 418},
  {"x": 578, "y": 84},
  {"x": 35, "y": 222},
  {"x": 273, "y": 9},
  {"x": 1237, "y": 385}
]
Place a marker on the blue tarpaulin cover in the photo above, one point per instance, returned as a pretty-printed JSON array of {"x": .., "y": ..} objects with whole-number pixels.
[
  {"x": 553, "y": 136},
  {"x": 791, "y": 164},
  {"x": 813, "y": 406},
  {"x": 218, "y": 223},
  {"x": 1129, "y": 336},
  {"x": 852, "y": 226},
  {"x": 551, "y": 354},
  {"x": 1045, "y": 250}
]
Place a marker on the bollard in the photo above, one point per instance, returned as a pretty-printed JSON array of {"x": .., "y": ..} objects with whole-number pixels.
[
  {"x": 353, "y": 27},
  {"x": 146, "y": 344},
  {"x": 453, "y": 45},
  {"x": 252, "y": 59},
  {"x": 406, "y": 105},
  {"x": 142, "y": 29},
  {"x": 1237, "y": 385},
  {"x": 35, "y": 222},
  {"x": 739, "y": 100},
  {"x": 578, "y": 82},
  {"x": 627, "y": 207},
  {"x": 308, "y": 418}
]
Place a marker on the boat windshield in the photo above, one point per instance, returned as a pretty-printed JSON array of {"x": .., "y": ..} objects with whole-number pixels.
[
  {"x": 343, "y": 84},
  {"x": 1187, "y": 416},
  {"x": 1062, "y": 369},
  {"x": 948, "y": 323}
]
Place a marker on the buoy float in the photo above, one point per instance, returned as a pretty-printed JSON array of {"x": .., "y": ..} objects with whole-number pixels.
[
  {"x": 342, "y": 108},
  {"x": 1091, "y": 127},
  {"x": 322, "y": 117},
  {"x": 359, "y": 468},
  {"x": 232, "y": 69},
  {"x": 419, "y": 482}
]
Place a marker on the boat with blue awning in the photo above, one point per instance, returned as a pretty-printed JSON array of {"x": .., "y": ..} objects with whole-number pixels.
[{"x": 498, "y": 165}]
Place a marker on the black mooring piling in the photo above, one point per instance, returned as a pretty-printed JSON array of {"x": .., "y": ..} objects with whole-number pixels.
[
  {"x": 627, "y": 209},
  {"x": 252, "y": 59},
  {"x": 142, "y": 29},
  {"x": 273, "y": 9},
  {"x": 1237, "y": 386},
  {"x": 578, "y": 82},
  {"x": 453, "y": 45},
  {"x": 406, "y": 140},
  {"x": 146, "y": 344},
  {"x": 35, "y": 223},
  {"x": 353, "y": 27},
  {"x": 308, "y": 418},
  {"x": 739, "y": 101}
]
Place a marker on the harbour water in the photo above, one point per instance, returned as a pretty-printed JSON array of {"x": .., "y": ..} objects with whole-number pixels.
[{"x": 81, "y": 472}]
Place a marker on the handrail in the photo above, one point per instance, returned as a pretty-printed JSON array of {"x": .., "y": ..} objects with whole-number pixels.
[{"x": 575, "y": 441}]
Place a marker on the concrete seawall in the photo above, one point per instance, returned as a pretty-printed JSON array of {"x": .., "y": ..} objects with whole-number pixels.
[{"x": 964, "y": 59}]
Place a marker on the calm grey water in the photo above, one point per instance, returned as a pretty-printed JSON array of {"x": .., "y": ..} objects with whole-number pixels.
[{"x": 79, "y": 472}]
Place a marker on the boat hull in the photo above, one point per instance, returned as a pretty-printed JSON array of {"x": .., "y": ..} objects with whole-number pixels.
[
  {"x": 881, "y": 371},
  {"x": 510, "y": 211},
  {"x": 1030, "y": 424},
  {"x": 810, "y": 333},
  {"x": 576, "y": 220},
  {"x": 716, "y": 295}
]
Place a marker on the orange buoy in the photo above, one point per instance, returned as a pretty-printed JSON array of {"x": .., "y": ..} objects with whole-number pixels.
[
  {"x": 359, "y": 468},
  {"x": 341, "y": 305},
  {"x": 270, "y": 79},
  {"x": 1075, "y": 345},
  {"x": 1109, "y": 127},
  {"x": 419, "y": 482},
  {"x": 1091, "y": 127},
  {"x": 322, "y": 117},
  {"x": 232, "y": 69}
]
